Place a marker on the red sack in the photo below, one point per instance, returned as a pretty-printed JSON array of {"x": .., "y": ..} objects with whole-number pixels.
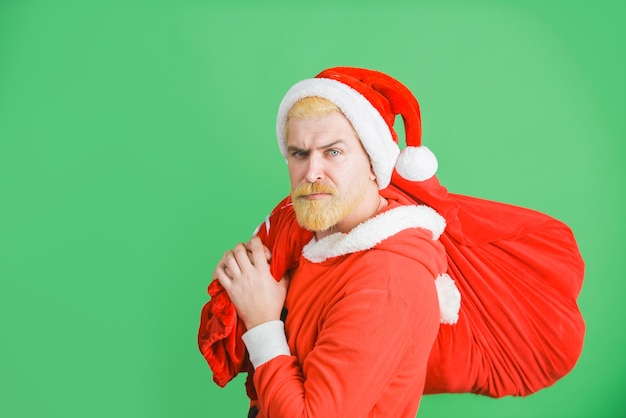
[{"x": 519, "y": 273}]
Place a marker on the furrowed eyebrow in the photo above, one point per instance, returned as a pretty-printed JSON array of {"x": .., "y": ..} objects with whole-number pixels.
[
  {"x": 332, "y": 144},
  {"x": 293, "y": 148}
]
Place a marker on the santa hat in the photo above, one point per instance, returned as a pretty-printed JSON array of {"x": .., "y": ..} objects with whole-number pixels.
[{"x": 370, "y": 100}]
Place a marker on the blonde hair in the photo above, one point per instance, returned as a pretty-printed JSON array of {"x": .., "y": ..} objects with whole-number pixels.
[{"x": 310, "y": 107}]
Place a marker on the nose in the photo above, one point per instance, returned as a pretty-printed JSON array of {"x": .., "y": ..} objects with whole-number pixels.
[{"x": 314, "y": 169}]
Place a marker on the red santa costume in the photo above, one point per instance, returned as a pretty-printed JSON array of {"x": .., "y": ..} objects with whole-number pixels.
[
  {"x": 438, "y": 293},
  {"x": 362, "y": 316}
]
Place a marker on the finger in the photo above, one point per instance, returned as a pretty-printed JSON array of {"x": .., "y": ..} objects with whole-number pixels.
[
  {"x": 259, "y": 255},
  {"x": 241, "y": 257},
  {"x": 221, "y": 276},
  {"x": 268, "y": 253},
  {"x": 228, "y": 272},
  {"x": 232, "y": 264}
]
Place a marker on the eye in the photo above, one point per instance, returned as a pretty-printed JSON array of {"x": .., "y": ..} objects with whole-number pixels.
[
  {"x": 334, "y": 152},
  {"x": 299, "y": 154}
]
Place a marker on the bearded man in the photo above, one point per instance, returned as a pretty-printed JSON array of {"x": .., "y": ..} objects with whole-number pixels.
[
  {"x": 362, "y": 310},
  {"x": 339, "y": 297}
]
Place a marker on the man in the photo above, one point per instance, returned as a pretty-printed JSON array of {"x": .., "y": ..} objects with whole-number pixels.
[
  {"x": 361, "y": 303},
  {"x": 356, "y": 258}
]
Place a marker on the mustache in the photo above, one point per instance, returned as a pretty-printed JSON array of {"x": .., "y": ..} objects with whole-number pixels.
[{"x": 313, "y": 188}]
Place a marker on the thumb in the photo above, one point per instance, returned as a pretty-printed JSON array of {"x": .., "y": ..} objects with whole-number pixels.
[
  {"x": 284, "y": 282},
  {"x": 268, "y": 253}
]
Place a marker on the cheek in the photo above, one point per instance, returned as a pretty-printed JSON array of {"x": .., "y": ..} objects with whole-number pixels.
[
  {"x": 295, "y": 175},
  {"x": 364, "y": 167},
  {"x": 360, "y": 172}
]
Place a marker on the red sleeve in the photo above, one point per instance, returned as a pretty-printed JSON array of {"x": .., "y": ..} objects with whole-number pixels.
[
  {"x": 368, "y": 338},
  {"x": 284, "y": 237}
]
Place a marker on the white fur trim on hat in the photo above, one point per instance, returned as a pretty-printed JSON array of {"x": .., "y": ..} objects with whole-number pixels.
[
  {"x": 417, "y": 163},
  {"x": 449, "y": 299},
  {"x": 365, "y": 119}
]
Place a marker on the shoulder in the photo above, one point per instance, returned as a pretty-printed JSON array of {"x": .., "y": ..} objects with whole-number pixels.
[{"x": 407, "y": 262}]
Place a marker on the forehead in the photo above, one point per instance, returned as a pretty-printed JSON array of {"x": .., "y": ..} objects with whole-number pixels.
[{"x": 333, "y": 126}]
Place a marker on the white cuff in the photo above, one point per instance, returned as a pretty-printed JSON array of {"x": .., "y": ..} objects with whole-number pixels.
[{"x": 266, "y": 341}]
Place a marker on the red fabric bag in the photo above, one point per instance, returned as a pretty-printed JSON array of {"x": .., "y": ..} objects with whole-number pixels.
[{"x": 519, "y": 273}]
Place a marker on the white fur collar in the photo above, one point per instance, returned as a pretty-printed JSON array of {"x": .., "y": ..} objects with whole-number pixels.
[{"x": 373, "y": 231}]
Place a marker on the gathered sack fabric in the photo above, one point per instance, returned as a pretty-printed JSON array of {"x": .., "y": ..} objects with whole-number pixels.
[
  {"x": 219, "y": 335},
  {"x": 519, "y": 273}
]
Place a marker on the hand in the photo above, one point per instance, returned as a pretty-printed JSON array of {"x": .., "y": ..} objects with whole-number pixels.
[{"x": 244, "y": 272}]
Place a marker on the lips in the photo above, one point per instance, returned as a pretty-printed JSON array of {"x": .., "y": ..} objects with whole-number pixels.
[
  {"x": 315, "y": 196},
  {"x": 314, "y": 191}
]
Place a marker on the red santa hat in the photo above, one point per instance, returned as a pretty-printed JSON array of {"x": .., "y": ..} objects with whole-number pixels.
[{"x": 370, "y": 100}]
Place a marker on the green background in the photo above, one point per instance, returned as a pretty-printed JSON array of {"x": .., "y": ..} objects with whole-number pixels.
[{"x": 137, "y": 144}]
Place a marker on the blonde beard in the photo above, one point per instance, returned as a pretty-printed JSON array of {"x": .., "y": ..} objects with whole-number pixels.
[{"x": 323, "y": 214}]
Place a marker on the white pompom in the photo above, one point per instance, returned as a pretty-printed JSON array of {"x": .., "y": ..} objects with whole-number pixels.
[
  {"x": 417, "y": 163},
  {"x": 449, "y": 299}
]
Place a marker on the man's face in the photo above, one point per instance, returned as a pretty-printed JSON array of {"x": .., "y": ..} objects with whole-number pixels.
[{"x": 330, "y": 172}]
